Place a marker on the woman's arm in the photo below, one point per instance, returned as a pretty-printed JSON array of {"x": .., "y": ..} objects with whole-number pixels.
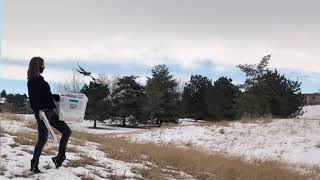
[
  {"x": 56, "y": 97},
  {"x": 34, "y": 95}
]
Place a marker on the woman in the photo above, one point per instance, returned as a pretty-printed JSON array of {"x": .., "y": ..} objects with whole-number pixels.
[{"x": 41, "y": 99}]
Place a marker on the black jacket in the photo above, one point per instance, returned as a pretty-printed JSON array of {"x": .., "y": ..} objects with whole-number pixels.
[{"x": 40, "y": 94}]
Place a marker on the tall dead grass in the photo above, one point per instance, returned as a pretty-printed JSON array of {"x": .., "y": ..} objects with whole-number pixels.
[
  {"x": 12, "y": 117},
  {"x": 26, "y": 138},
  {"x": 3, "y": 169},
  {"x": 196, "y": 163},
  {"x": 83, "y": 161},
  {"x": 2, "y": 131}
]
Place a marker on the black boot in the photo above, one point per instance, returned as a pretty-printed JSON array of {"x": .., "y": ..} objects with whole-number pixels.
[
  {"x": 34, "y": 167},
  {"x": 58, "y": 160}
]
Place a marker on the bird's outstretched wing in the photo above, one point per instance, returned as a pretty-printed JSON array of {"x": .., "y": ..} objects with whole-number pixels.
[
  {"x": 86, "y": 73},
  {"x": 82, "y": 71},
  {"x": 81, "y": 68}
]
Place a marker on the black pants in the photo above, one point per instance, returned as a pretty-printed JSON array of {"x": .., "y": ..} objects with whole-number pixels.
[{"x": 61, "y": 126}]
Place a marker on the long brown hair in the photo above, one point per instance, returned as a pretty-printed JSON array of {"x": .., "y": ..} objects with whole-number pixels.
[{"x": 34, "y": 67}]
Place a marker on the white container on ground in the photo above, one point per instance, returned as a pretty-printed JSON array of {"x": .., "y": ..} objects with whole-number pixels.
[{"x": 72, "y": 107}]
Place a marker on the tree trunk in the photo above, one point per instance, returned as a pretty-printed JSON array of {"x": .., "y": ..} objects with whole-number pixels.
[
  {"x": 95, "y": 124},
  {"x": 124, "y": 121}
]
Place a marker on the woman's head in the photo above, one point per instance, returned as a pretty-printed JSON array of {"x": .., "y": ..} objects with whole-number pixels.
[{"x": 36, "y": 67}]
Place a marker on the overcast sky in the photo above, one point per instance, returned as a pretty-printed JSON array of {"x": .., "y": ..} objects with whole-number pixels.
[{"x": 192, "y": 36}]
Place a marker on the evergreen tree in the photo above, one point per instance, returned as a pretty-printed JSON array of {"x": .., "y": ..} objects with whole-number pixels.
[
  {"x": 98, "y": 106},
  {"x": 161, "y": 96},
  {"x": 18, "y": 102},
  {"x": 257, "y": 104},
  {"x": 254, "y": 71},
  {"x": 220, "y": 99},
  {"x": 3, "y": 93},
  {"x": 249, "y": 106},
  {"x": 268, "y": 92},
  {"x": 128, "y": 99},
  {"x": 194, "y": 96},
  {"x": 285, "y": 97}
]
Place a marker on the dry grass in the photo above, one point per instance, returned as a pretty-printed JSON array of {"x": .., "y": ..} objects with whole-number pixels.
[
  {"x": 14, "y": 145},
  {"x": 32, "y": 125},
  {"x": 315, "y": 171},
  {"x": 264, "y": 119},
  {"x": 87, "y": 177},
  {"x": 153, "y": 173},
  {"x": 84, "y": 160},
  {"x": 73, "y": 149},
  {"x": 26, "y": 138},
  {"x": 25, "y": 174},
  {"x": 77, "y": 142},
  {"x": 188, "y": 144},
  {"x": 223, "y": 123},
  {"x": 2, "y": 131},
  {"x": 12, "y": 117},
  {"x": 98, "y": 173},
  {"x": 27, "y": 150},
  {"x": 169, "y": 125},
  {"x": 50, "y": 150},
  {"x": 19, "y": 118},
  {"x": 115, "y": 177},
  {"x": 3, "y": 169},
  {"x": 196, "y": 163}
]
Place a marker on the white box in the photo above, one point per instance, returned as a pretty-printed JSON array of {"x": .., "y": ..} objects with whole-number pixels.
[{"x": 72, "y": 107}]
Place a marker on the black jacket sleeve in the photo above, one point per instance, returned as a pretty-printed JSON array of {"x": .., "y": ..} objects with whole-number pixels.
[
  {"x": 56, "y": 97},
  {"x": 40, "y": 94},
  {"x": 34, "y": 94}
]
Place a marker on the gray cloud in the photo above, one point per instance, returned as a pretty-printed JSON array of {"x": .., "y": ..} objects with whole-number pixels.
[{"x": 168, "y": 31}]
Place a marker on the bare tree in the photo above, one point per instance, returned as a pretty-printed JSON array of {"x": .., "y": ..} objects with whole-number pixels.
[
  {"x": 181, "y": 83},
  {"x": 73, "y": 83},
  {"x": 110, "y": 80}
]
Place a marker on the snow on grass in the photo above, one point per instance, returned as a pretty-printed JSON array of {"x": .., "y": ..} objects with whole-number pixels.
[
  {"x": 287, "y": 140},
  {"x": 15, "y": 158},
  {"x": 311, "y": 112},
  {"x": 102, "y": 128},
  {"x": 290, "y": 140}
]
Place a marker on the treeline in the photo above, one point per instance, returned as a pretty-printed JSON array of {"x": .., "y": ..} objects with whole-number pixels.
[
  {"x": 264, "y": 93},
  {"x": 15, "y": 103}
]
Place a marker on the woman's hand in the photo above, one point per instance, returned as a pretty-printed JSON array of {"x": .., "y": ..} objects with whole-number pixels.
[{"x": 37, "y": 115}]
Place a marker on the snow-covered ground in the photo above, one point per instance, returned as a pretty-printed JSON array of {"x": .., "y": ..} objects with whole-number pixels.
[
  {"x": 311, "y": 112},
  {"x": 293, "y": 141},
  {"x": 102, "y": 128},
  {"x": 15, "y": 160},
  {"x": 15, "y": 157},
  {"x": 289, "y": 140}
]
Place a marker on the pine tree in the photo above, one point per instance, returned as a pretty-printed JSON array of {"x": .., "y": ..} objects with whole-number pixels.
[
  {"x": 252, "y": 103},
  {"x": 220, "y": 99},
  {"x": 194, "y": 97},
  {"x": 98, "y": 106},
  {"x": 268, "y": 93},
  {"x": 3, "y": 93},
  {"x": 285, "y": 97},
  {"x": 127, "y": 99},
  {"x": 161, "y": 96},
  {"x": 254, "y": 71}
]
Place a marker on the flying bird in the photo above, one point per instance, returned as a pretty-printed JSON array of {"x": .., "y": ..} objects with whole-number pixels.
[{"x": 87, "y": 73}]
